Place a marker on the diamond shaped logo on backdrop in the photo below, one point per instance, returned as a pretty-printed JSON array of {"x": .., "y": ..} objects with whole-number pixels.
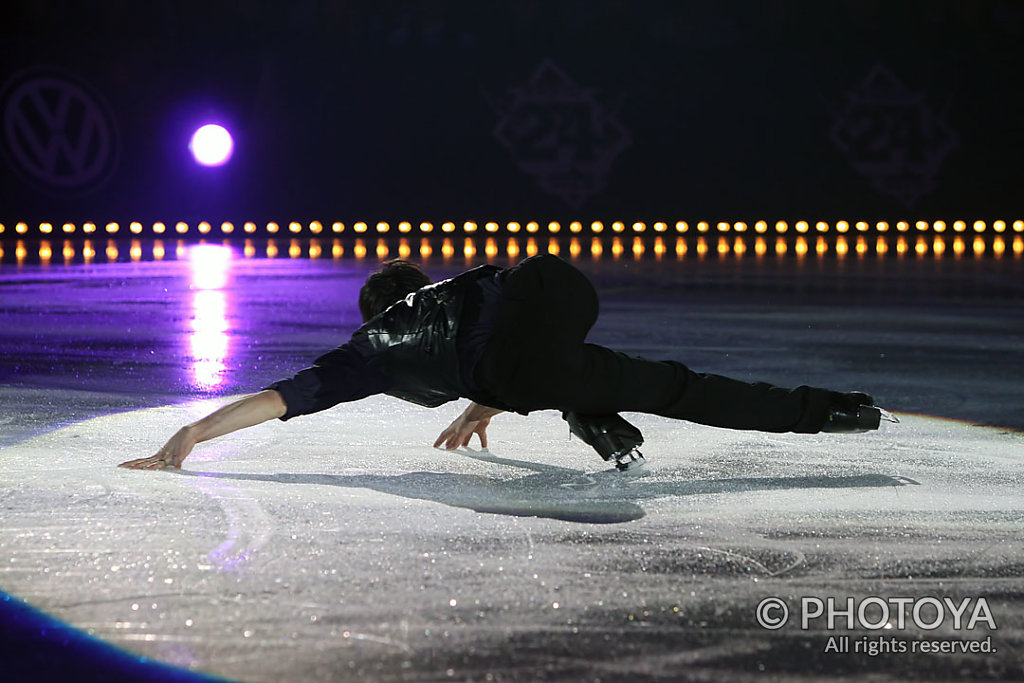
[
  {"x": 559, "y": 133},
  {"x": 891, "y": 136}
]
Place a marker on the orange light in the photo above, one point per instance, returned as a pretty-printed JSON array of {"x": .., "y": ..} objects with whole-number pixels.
[
  {"x": 425, "y": 249},
  {"x": 903, "y": 226},
  {"x": 862, "y": 226},
  {"x": 821, "y": 226},
  {"x": 112, "y": 228},
  {"x": 513, "y": 227},
  {"x": 703, "y": 226},
  {"x": 382, "y": 249},
  {"x": 68, "y": 228},
  {"x": 843, "y": 227},
  {"x": 293, "y": 227},
  {"x": 1018, "y": 226},
  {"x": 45, "y": 252},
  {"x": 404, "y": 250},
  {"x": 204, "y": 227},
  {"x": 447, "y": 250},
  {"x": 901, "y": 246},
  {"x": 448, "y": 226},
  {"x": 882, "y": 226},
  {"x": 554, "y": 227},
  {"x": 740, "y": 227},
  {"x": 4, "y": 227},
  {"x": 681, "y": 247},
  {"x": 999, "y": 226},
  {"x": 921, "y": 247},
  {"x": 574, "y": 247},
  {"x": 21, "y": 228},
  {"x": 360, "y": 227},
  {"x": 405, "y": 226},
  {"x": 921, "y": 225},
  {"x": 618, "y": 226},
  {"x": 802, "y": 227},
  {"x": 294, "y": 249},
  {"x": 638, "y": 248},
  {"x": 702, "y": 247},
  {"x": 978, "y": 246},
  {"x": 249, "y": 250},
  {"x": 979, "y": 226},
  {"x": 842, "y": 248},
  {"x": 739, "y": 247},
  {"x": 959, "y": 246},
  {"x": 553, "y": 246},
  {"x": 468, "y": 248},
  {"x": 135, "y": 252},
  {"x": 469, "y": 226},
  {"x": 513, "y": 248},
  {"x": 682, "y": 226},
  {"x": 532, "y": 226},
  {"x": 249, "y": 227},
  {"x": 491, "y": 248},
  {"x": 272, "y": 228},
  {"x": 862, "y": 247},
  {"x": 1018, "y": 246},
  {"x": 383, "y": 227},
  {"x": 88, "y": 253},
  {"x": 46, "y": 228},
  {"x": 68, "y": 251},
  {"x": 271, "y": 249},
  {"x": 596, "y": 248},
  {"x": 597, "y": 226},
  {"x": 938, "y": 246},
  {"x": 723, "y": 227},
  {"x": 359, "y": 250},
  {"x": 491, "y": 227},
  {"x": 939, "y": 226},
  {"x": 639, "y": 227},
  {"x": 337, "y": 249},
  {"x": 959, "y": 226},
  {"x": 112, "y": 252},
  {"x": 531, "y": 247},
  {"x": 781, "y": 227},
  {"x": 20, "y": 252},
  {"x": 801, "y": 247},
  {"x": 659, "y": 247},
  {"x": 181, "y": 227},
  {"x": 760, "y": 247},
  {"x": 316, "y": 227},
  {"x": 998, "y": 247},
  {"x": 761, "y": 227},
  {"x": 89, "y": 228},
  {"x": 617, "y": 248},
  {"x": 821, "y": 246},
  {"x": 337, "y": 227},
  {"x": 426, "y": 227},
  {"x": 575, "y": 227},
  {"x": 660, "y": 227}
]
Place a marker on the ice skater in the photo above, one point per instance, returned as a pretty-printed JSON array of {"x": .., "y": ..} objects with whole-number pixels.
[{"x": 515, "y": 340}]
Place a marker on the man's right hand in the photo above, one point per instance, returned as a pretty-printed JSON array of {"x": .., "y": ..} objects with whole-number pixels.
[{"x": 473, "y": 420}]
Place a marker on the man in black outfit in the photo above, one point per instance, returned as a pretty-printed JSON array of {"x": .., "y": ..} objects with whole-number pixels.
[{"x": 514, "y": 340}]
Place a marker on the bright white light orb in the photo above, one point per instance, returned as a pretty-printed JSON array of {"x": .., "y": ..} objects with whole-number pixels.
[{"x": 211, "y": 145}]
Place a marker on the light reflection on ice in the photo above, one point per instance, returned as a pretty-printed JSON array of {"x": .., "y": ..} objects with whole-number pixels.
[{"x": 210, "y": 266}]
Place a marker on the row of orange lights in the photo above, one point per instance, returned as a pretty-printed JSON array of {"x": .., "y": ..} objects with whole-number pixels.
[
  {"x": 553, "y": 227},
  {"x": 723, "y": 246}
]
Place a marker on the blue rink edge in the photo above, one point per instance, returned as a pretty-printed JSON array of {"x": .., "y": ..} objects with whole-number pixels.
[{"x": 37, "y": 647}]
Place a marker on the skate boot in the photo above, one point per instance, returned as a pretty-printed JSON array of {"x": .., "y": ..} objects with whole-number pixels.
[
  {"x": 854, "y": 412},
  {"x": 611, "y": 436}
]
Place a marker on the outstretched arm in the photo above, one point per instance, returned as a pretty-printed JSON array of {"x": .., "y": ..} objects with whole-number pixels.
[
  {"x": 245, "y": 412},
  {"x": 474, "y": 420}
]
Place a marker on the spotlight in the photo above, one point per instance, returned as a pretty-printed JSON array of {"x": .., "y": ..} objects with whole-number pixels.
[{"x": 211, "y": 145}]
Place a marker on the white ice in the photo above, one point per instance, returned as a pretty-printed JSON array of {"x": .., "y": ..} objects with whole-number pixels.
[{"x": 342, "y": 544}]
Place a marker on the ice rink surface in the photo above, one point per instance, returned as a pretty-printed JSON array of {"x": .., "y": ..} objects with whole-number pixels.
[{"x": 341, "y": 546}]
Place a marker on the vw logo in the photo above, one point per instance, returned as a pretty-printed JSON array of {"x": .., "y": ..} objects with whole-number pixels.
[{"x": 58, "y": 132}]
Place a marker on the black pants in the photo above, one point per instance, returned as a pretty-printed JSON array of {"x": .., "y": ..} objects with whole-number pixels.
[{"x": 538, "y": 359}]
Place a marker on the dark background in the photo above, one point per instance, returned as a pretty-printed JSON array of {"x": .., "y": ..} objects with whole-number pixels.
[{"x": 667, "y": 110}]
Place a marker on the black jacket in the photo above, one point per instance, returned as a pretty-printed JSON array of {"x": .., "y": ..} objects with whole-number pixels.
[{"x": 414, "y": 341}]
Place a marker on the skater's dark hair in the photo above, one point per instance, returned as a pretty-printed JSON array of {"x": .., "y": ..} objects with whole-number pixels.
[{"x": 395, "y": 280}]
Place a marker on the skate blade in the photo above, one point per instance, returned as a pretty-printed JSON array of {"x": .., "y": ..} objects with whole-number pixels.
[
  {"x": 887, "y": 416},
  {"x": 630, "y": 463}
]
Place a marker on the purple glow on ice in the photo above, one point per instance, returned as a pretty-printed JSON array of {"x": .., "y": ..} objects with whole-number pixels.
[
  {"x": 209, "y": 338},
  {"x": 211, "y": 145}
]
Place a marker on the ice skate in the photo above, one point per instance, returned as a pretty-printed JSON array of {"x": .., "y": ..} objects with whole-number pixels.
[
  {"x": 854, "y": 412},
  {"x": 611, "y": 436}
]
